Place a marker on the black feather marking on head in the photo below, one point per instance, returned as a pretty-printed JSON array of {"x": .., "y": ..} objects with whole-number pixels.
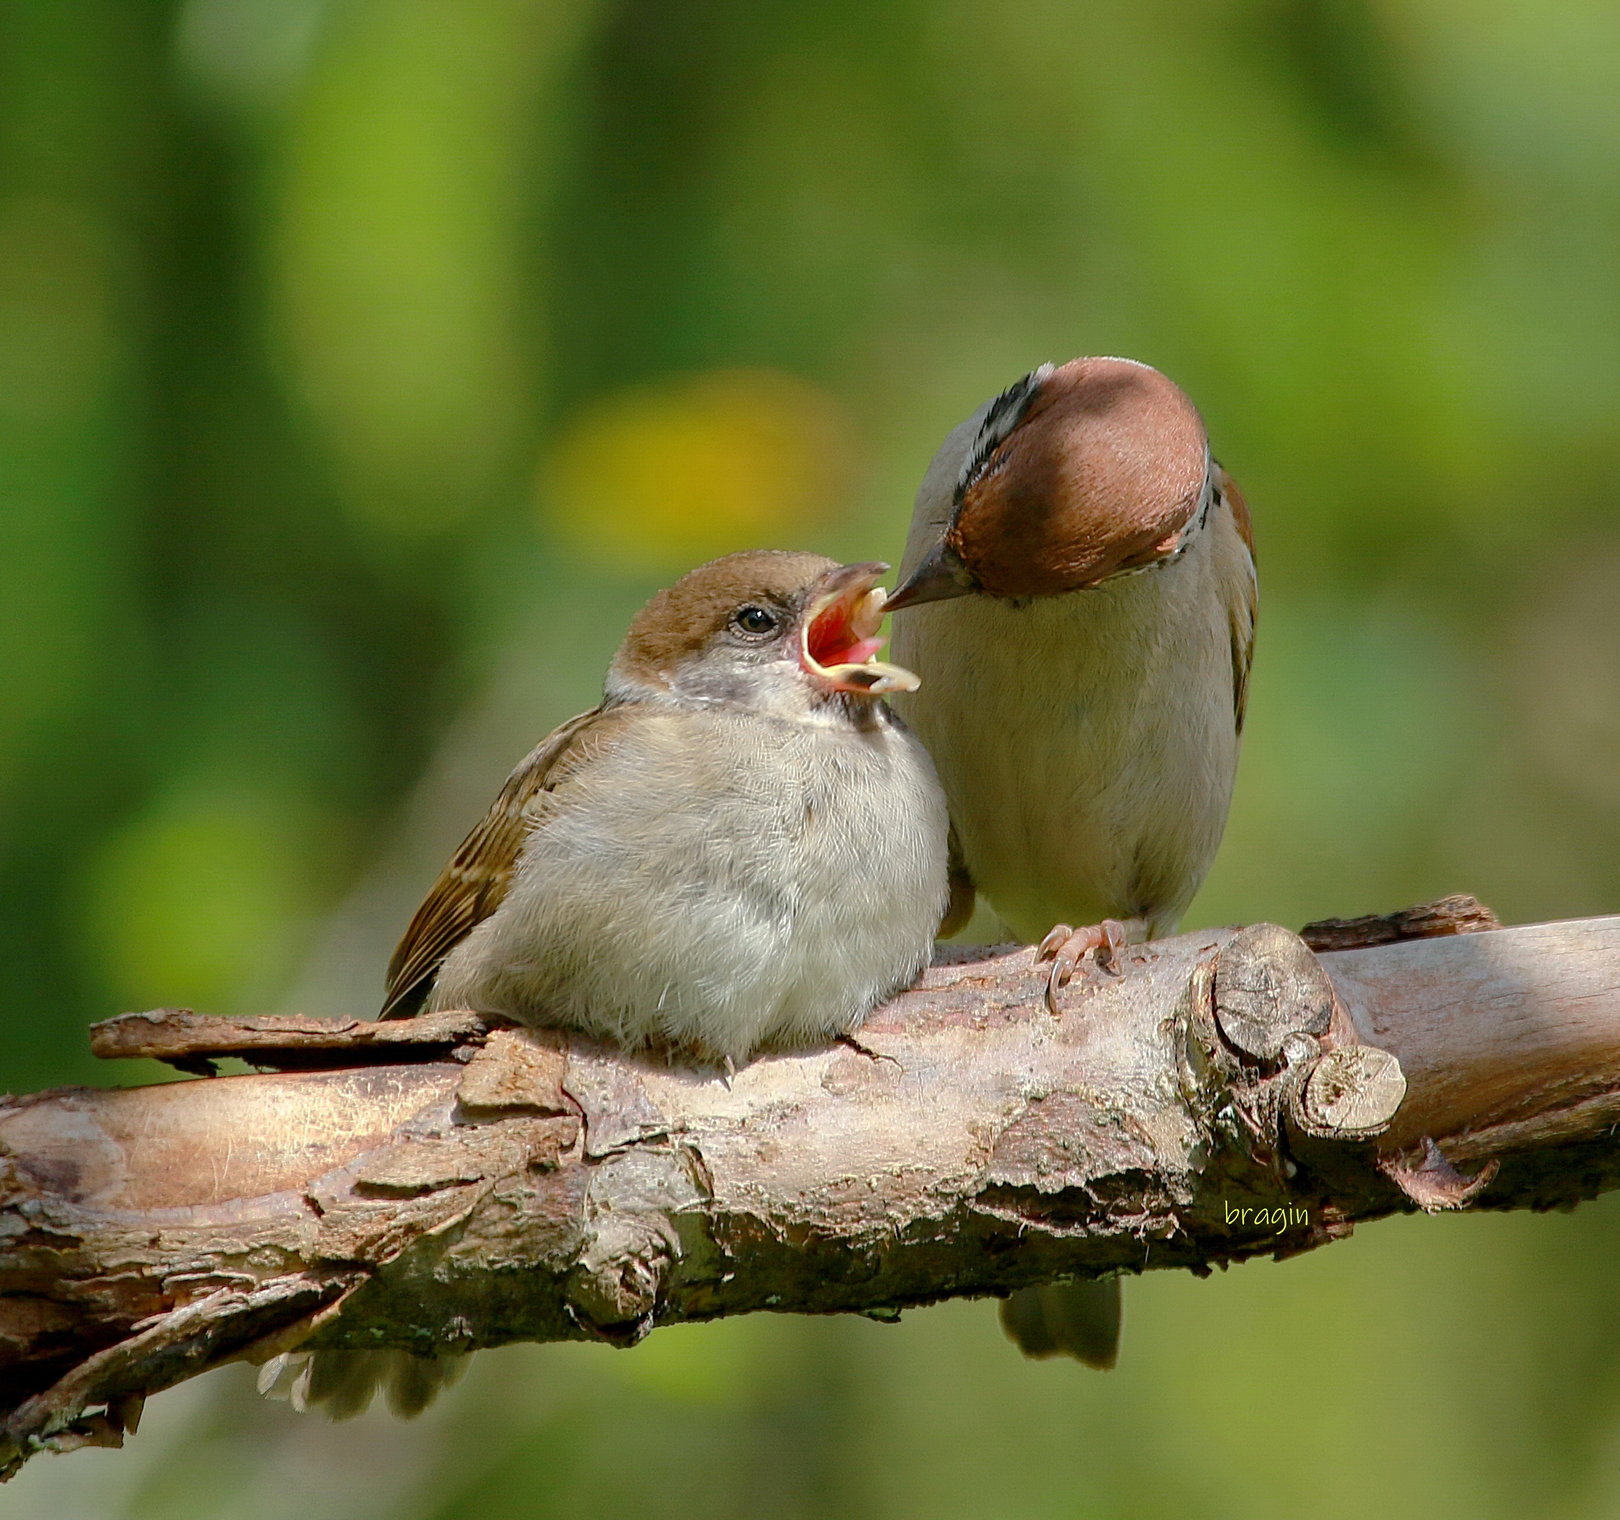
[{"x": 1004, "y": 414}]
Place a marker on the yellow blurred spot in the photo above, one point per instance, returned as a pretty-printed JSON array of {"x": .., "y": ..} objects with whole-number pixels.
[{"x": 666, "y": 475}]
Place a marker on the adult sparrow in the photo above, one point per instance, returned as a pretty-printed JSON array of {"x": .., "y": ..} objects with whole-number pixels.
[
  {"x": 1083, "y": 579},
  {"x": 740, "y": 849}
]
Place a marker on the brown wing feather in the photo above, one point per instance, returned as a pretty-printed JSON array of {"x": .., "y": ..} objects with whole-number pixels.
[
  {"x": 1240, "y": 508},
  {"x": 471, "y": 887},
  {"x": 1244, "y": 611}
]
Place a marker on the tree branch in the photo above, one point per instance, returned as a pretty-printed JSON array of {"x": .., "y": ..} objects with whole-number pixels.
[{"x": 445, "y": 1184}]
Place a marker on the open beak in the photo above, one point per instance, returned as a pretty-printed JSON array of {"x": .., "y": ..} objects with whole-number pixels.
[
  {"x": 940, "y": 575},
  {"x": 838, "y": 635}
]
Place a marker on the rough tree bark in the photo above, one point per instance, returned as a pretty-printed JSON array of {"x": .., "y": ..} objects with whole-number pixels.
[{"x": 442, "y": 1183}]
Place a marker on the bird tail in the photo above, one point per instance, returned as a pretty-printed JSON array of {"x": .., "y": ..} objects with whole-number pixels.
[
  {"x": 1078, "y": 1319},
  {"x": 342, "y": 1384}
]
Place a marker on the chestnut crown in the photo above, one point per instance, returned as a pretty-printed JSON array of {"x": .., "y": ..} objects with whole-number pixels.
[
  {"x": 1078, "y": 473},
  {"x": 711, "y": 602}
]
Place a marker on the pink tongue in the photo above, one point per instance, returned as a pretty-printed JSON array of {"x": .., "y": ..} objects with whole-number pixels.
[{"x": 857, "y": 653}]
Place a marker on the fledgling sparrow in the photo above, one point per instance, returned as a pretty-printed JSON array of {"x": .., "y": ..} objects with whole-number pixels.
[
  {"x": 1083, "y": 579},
  {"x": 740, "y": 849}
]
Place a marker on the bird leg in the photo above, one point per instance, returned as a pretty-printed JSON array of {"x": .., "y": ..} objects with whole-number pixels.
[
  {"x": 850, "y": 1042},
  {"x": 1066, "y": 947}
]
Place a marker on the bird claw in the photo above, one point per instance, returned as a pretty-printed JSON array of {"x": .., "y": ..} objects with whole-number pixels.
[{"x": 1066, "y": 948}]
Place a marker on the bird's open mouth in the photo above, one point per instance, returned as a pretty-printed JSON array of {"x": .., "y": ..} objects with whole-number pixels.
[{"x": 839, "y": 634}]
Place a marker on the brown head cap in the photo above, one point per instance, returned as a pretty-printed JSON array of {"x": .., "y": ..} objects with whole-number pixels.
[
  {"x": 1079, "y": 473},
  {"x": 680, "y": 621}
]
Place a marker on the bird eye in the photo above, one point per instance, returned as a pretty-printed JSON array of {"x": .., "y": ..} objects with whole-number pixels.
[{"x": 754, "y": 620}]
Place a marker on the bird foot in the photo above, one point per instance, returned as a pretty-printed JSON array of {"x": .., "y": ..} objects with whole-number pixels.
[
  {"x": 1066, "y": 948},
  {"x": 850, "y": 1042}
]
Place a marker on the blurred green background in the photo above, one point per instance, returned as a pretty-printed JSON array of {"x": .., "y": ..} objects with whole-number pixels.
[{"x": 364, "y": 363}]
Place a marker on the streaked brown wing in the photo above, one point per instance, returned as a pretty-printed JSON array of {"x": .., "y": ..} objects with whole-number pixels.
[
  {"x": 1245, "y": 609},
  {"x": 471, "y": 887}
]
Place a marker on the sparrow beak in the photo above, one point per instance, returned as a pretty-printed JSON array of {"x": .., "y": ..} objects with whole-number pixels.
[
  {"x": 941, "y": 575},
  {"x": 838, "y": 636}
]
